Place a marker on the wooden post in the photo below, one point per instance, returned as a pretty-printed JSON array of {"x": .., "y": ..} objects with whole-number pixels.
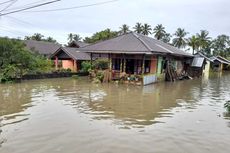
[
  {"x": 56, "y": 62},
  {"x": 110, "y": 62},
  {"x": 91, "y": 58},
  {"x": 143, "y": 64},
  {"x": 124, "y": 64},
  {"x": 121, "y": 64}
]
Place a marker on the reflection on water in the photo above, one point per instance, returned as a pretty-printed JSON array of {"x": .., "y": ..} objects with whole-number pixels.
[{"x": 83, "y": 117}]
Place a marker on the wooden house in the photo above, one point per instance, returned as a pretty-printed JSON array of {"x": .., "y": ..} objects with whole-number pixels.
[
  {"x": 138, "y": 54},
  {"x": 219, "y": 63}
]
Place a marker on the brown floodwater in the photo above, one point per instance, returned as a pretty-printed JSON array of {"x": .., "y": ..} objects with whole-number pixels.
[{"x": 71, "y": 116}]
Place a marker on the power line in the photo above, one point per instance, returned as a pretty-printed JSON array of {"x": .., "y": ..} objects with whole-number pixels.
[
  {"x": 6, "y": 2},
  {"x": 13, "y": 1},
  {"x": 31, "y": 7},
  {"x": 26, "y": 5},
  {"x": 75, "y": 7}
]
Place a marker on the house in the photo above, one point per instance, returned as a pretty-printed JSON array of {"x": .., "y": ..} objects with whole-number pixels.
[
  {"x": 200, "y": 65},
  {"x": 69, "y": 58},
  {"x": 44, "y": 48},
  {"x": 219, "y": 63},
  {"x": 138, "y": 54}
]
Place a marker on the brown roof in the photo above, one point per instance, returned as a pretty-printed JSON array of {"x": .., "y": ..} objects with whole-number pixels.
[
  {"x": 72, "y": 53},
  {"x": 43, "y": 48},
  {"x": 134, "y": 43}
]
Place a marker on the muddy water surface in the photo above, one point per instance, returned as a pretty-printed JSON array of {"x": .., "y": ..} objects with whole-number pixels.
[{"x": 66, "y": 115}]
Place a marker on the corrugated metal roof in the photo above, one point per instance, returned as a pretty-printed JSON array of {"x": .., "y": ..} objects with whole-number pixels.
[
  {"x": 43, "y": 48},
  {"x": 197, "y": 62},
  {"x": 133, "y": 42},
  {"x": 219, "y": 60}
]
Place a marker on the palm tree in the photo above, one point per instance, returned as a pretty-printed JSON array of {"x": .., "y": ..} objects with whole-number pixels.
[
  {"x": 50, "y": 39},
  {"x": 166, "y": 38},
  {"x": 203, "y": 39},
  {"x": 70, "y": 37},
  {"x": 138, "y": 28},
  {"x": 124, "y": 29},
  {"x": 77, "y": 37},
  {"x": 194, "y": 43},
  {"x": 146, "y": 29},
  {"x": 159, "y": 32},
  {"x": 180, "y": 41}
]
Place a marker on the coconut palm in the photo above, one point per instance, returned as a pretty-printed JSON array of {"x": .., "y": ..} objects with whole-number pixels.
[
  {"x": 138, "y": 28},
  {"x": 166, "y": 38},
  {"x": 146, "y": 29},
  {"x": 194, "y": 43},
  {"x": 180, "y": 41},
  {"x": 159, "y": 32},
  {"x": 124, "y": 29},
  {"x": 203, "y": 39},
  {"x": 70, "y": 37},
  {"x": 77, "y": 37}
]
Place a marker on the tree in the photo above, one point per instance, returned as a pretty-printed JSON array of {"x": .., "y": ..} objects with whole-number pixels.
[
  {"x": 146, "y": 29},
  {"x": 70, "y": 37},
  {"x": 15, "y": 60},
  {"x": 203, "y": 40},
  {"x": 101, "y": 35},
  {"x": 180, "y": 41},
  {"x": 159, "y": 32},
  {"x": 221, "y": 45},
  {"x": 50, "y": 39},
  {"x": 194, "y": 43},
  {"x": 124, "y": 29},
  {"x": 138, "y": 28},
  {"x": 37, "y": 37},
  {"x": 77, "y": 37},
  {"x": 166, "y": 38},
  {"x": 40, "y": 37}
]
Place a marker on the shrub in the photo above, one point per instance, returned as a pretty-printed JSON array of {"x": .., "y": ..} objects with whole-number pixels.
[
  {"x": 101, "y": 64},
  {"x": 86, "y": 66},
  {"x": 227, "y": 106}
]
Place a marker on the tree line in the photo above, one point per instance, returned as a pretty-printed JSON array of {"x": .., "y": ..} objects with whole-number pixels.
[{"x": 199, "y": 42}]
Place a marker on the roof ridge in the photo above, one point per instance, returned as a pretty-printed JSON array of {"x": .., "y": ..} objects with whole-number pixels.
[{"x": 142, "y": 41}]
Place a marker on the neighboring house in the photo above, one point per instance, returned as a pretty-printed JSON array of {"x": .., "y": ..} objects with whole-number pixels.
[
  {"x": 134, "y": 53},
  {"x": 69, "y": 58},
  {"x": 77, "y": 44},
  {"x": 219, "y": 63},
  {"x": 201, "y": 64},
  {"x": 44, "y": 48}
]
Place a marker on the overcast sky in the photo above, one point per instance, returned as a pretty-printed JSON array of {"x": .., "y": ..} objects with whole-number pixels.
[{"x": 193, "y": 15}]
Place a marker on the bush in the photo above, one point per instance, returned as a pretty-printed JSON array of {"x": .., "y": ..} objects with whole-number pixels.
[
  {"x": 86, "y": 66},
  {"x": 101, "y": 64},
  {"x": 227, "y": 106}
]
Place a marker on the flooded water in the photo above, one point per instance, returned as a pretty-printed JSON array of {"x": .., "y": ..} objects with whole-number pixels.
[{"x": 66, "y": 115}]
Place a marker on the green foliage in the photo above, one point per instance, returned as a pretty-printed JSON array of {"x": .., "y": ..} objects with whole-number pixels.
[
  {"x": 101, "y": 64},
  {"x": 180, "y": 41},
  {"x": 138, "y": 28},
  {"x": 16, "y": 61},
  {"x": 40, "y": 37},
  {"x": 227, "y": 106},
  {"x": 102, "y": 35},
  {"x": 146, "y": 29},
  {"x": 124, "y": 29},
  {"x": 100, "y": 76},
  {"x": 86, "y": 66},
  {"x": 221, "y": 46}
]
